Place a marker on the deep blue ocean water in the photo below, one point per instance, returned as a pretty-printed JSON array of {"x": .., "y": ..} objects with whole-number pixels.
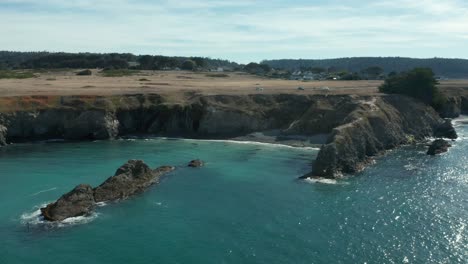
[{"x": 244, "y": 206}]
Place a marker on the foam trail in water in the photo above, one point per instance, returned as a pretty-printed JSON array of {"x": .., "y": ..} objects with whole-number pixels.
[{"x": 43, "y": 191}]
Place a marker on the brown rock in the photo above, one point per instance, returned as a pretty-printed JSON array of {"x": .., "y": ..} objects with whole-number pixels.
[
  {"x": 131, "y": 178},
  {"x": 77, "y": 202},
  {"x": 196, "y": 163},
  {"x": 438, "y": 146}
]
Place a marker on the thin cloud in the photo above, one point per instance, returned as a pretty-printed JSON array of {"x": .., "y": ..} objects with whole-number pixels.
[{"x": 238, "y": 30}]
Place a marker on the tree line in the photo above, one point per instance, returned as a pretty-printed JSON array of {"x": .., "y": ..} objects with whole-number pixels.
[
  {"x": 48, "y": 60},
  {"x": 450, "y": 68}
]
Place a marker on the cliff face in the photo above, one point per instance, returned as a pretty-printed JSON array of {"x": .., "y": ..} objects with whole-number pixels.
[
  {"x": 358, "y": 126},
  {"x": 457, "y": 103},
  {"x": 374, "y": 126}
]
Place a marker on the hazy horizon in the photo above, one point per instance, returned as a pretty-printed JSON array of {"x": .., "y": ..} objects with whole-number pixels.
[{"x": 240, "y": 31}]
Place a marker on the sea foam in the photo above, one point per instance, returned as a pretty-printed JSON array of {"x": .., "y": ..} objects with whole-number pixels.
[
  {"x": 321, "y": 180},
  {"x": 35, "y": 218}
]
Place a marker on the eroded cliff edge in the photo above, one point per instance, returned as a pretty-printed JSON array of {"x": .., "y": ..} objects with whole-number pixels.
[{"x": 358, "y": 127}]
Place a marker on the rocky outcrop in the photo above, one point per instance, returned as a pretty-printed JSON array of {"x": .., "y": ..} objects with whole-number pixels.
[
  {"x": 61, "y": 123},
  {"x": 438, "y": 146},
  {"x": 456, "y": 104},
  {"x": 372, "y": 127},
  {"x": 77, "y": 202},
  {"x": 196, "y": 163},
  {"x": 445, "y": 130},
  {"x": 452, "y": 107},
  {"x": 3, "y": 132},
  {"x": 131, "y": 178},
  {"x": 91, "y": 125}
]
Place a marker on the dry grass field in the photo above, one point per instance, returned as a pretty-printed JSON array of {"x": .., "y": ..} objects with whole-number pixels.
[
  {"x": 170, "y": 82},
  {"x": 178, "y": 84}
]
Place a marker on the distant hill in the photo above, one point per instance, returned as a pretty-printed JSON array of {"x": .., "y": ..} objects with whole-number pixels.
[{"x": 450, "y": 68}]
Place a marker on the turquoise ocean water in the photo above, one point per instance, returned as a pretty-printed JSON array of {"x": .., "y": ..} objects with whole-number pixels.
[{"x": 244, "y": 206}]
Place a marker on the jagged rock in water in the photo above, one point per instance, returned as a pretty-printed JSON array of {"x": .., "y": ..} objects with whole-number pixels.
[
  {"x": 196, "y": 163},
  {"x": 446, "y": 130},
  {"x": 3, "y": 132},
  {"x": 438, "y": 146},
  {"x": 131, "y": 178},
  {"x": 77, "y": 202}
]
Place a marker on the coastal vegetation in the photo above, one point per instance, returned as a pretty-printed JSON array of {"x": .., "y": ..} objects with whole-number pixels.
[
  {"x": 188, "y": 65},
  {"x": 445, "y": 68},
  {"x": 50, "y": 60},
  {"x": 7, "y": 74},
  {"x": 118, "y": 72},
  {"x": 419, "y": 83},
  {"x": 84, "y": 72},
  {"x": 217, "y": 75}
]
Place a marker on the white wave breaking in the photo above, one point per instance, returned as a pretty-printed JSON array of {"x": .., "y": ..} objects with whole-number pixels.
[
  {"x": 246, "y": 142},
  {"x": 35, "y": 218},
  {"x": 321, "y": 180}
]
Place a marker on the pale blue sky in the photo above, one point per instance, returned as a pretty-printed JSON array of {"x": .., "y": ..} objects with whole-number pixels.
[{"x": 239, "y": 30}]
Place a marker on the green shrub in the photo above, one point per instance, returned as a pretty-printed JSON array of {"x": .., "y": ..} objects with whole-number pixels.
[
  {"x": 418, "y": 83},
  {"x": 6, "y": 74},
  {"x": 84, "y": 72},
  {"x": 188, "y": 65},
  {"x": 118, "y": 72},
  {"x": 217, "y": 75}
]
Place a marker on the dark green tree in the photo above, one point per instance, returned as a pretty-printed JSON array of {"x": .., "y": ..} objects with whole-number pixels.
[
  {"x": 188, "y": 65},
  {"x": 255, "y": 68},
  {"x": 318, "y": 70},
  {"x": 419, "y": 83},
  {"x": 146, "y": 62}
]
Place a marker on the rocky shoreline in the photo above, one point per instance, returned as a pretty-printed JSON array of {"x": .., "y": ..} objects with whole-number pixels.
[{"x": 351, "y": 129}]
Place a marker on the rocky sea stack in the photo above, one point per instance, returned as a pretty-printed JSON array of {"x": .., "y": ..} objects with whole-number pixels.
[
  {"x": 438, "y": 146},
  {"x": 131, "y": 178}
]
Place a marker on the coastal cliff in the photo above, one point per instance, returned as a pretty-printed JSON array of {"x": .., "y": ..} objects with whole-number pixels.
[
  {"x": 357, "y": 127},
  {"x": 381, "y": 124}
]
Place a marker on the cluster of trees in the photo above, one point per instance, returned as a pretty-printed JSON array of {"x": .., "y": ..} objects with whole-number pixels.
[
  {"x": 256, "y": 68},
  {"x": 46, "y": 60},
  {"x": 452, "y": 68},
  {"x": 149, "y": 62},
  {"x": 419, "y": 83}
]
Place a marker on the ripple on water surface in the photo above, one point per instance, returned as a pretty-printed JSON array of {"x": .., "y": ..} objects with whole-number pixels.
[{"x": 244, "y": 206}]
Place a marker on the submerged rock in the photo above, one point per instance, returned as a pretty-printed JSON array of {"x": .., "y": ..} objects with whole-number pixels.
[
  {"x": 438, "y": 146},
  {"x": 77, "y": 202},
  {"x": 131, "y": 178},
  {"x": 445, "y": 130},
  {"x": 196, "y": 163}
]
